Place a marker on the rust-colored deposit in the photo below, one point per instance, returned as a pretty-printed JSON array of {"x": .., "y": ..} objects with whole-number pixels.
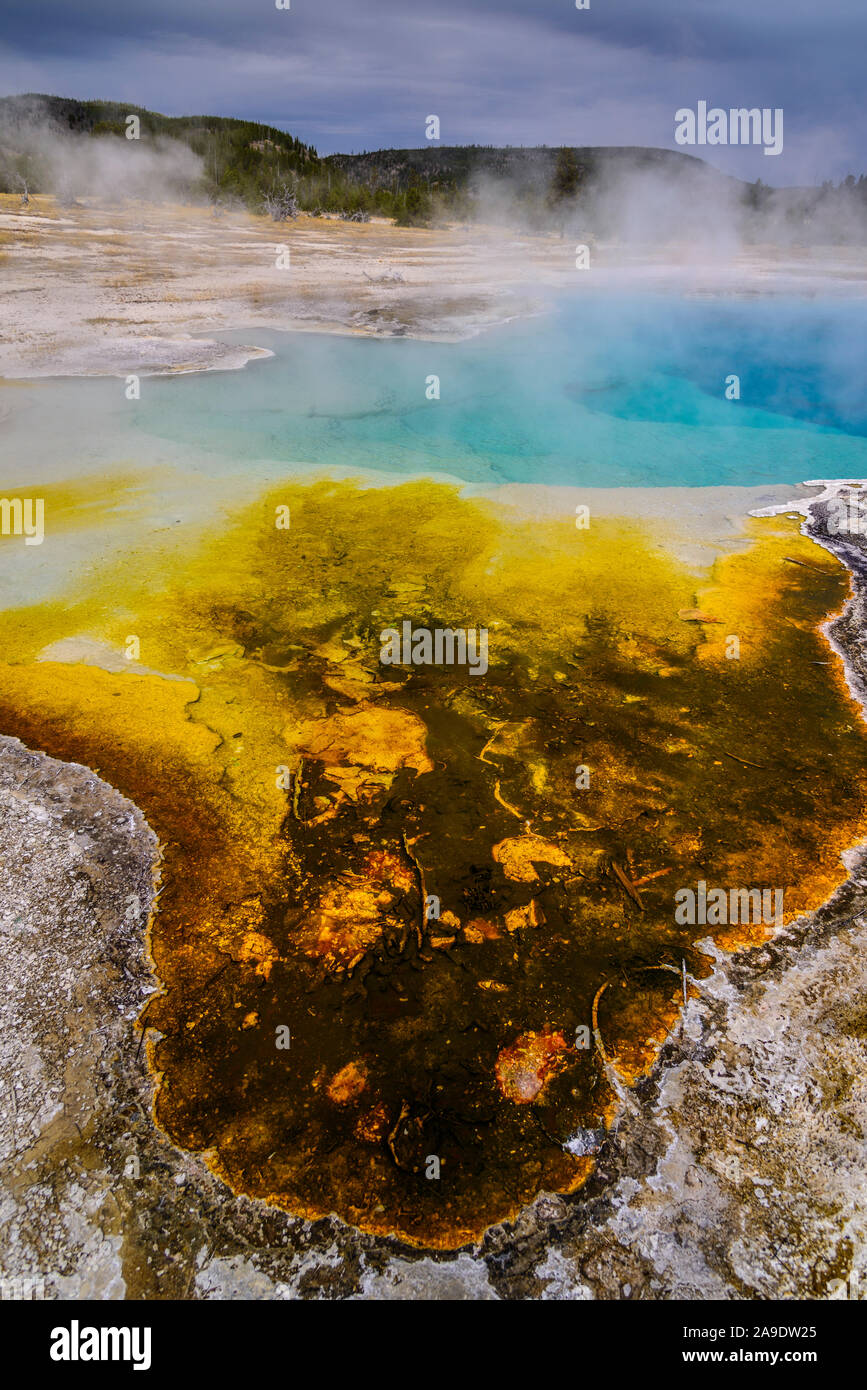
[{"x": 398, "y": 901}]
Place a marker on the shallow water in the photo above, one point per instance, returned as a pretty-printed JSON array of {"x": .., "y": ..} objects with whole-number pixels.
[{"x": 620, "y": 390}]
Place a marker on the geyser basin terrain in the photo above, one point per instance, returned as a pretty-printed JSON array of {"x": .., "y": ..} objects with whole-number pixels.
[{"x": 309, "y": 801}]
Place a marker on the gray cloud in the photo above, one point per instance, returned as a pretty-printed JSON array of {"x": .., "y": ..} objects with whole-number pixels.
[{"x": 346, "y": 75}]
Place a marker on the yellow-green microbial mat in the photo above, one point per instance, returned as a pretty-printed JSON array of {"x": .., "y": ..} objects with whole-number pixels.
[{"x": 417, "y": 926}]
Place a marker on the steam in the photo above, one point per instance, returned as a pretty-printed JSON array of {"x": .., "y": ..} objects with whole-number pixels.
[
  {"x": 637, "y": 197},
  {"x": 655, "y": 198},
  {"x": 36, "y": 150}
]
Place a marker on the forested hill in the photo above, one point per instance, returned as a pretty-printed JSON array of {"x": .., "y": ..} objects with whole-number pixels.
[
  {"x": 109, "y": 118},
  {"x": 247, "y": 160},
  {"x": 521, "y": 164},
  {"x": 60, "y": 145},
  {"x": 238, "y": 155}
]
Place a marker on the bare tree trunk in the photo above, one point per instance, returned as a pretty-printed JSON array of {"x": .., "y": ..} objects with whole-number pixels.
[{"x": 282, "y": 203}]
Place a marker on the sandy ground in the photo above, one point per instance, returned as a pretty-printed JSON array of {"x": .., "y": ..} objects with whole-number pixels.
[{"x": 139, "y": 287}]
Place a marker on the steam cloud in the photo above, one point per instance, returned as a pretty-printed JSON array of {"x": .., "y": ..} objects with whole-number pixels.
[{"x": 35, "y": 148}]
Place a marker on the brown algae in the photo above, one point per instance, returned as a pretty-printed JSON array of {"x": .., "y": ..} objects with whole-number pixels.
[{"x": 398, "y": 900}]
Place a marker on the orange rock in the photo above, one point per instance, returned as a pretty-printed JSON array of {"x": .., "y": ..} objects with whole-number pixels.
[
  {"x": 529, "y": 916},
  {"x": 348, "y": 1084},
  {"x": 373, "y": 1125},
  {"x": 361, "y": 749},
  {"x": 346, "y": 921},
  {"x": 524, "y": 1068},
  {"x": 479, "y": 930},
  {"x": 519, "y": 853},
  {"x": 245, "y": 942},
  {"x": 385, "y": 866}
]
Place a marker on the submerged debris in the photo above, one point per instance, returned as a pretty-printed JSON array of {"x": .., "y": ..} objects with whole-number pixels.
[
  {"x": 525, "y": 1067},
  {"x": 519, "y": 855}
]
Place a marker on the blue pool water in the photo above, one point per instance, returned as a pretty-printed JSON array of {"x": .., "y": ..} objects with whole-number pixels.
[{"x": 604, "y": 390}]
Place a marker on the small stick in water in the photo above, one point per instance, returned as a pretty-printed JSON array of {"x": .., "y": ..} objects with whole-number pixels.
[
  {"x": 805, "y": 565},
  {"x": 741, "y": 760}
]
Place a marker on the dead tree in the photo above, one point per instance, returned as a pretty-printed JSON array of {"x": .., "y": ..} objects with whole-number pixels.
[{"x": 282, "y": 203}]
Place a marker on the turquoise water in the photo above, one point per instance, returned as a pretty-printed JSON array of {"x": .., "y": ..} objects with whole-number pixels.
[{"x": 604, "y": 391}]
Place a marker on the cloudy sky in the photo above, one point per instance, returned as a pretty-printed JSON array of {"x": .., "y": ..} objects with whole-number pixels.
[{"x": 364, "y": 74}]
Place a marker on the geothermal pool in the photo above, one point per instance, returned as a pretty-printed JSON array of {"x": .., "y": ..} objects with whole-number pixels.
[
  {"x": 605, "y": 391},
  {"x": 613, "y": 390},
  {"x": 617, "y": 751}
]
